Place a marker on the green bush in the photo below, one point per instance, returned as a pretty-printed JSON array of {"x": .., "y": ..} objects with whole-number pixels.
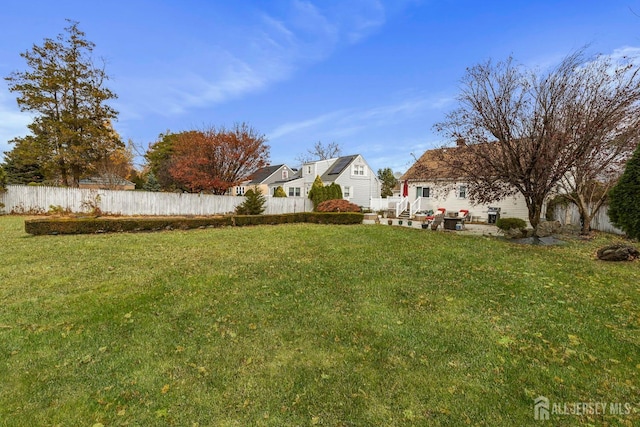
[
  {"x": 45, "y": 226},
  {"x": 279, "y": 192},
  {"x": 343, "y": 218},
  {"x": 624, "y": 198},
  {"x": 333, "y": 192},
  {"x": 3, "y": 180},
  {"x": 253, "y": 204},
  {"x": 511, "y": 223},
  {"x": 319, "y": 193}
]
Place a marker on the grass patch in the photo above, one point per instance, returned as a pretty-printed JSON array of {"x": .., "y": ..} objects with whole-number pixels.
[{"x": 309, "y": 324}]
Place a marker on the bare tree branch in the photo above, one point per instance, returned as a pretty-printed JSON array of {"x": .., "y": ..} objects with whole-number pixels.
[{"x": 526, "y": 133}]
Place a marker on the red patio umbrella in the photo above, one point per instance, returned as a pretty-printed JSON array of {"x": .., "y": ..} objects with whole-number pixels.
[{"x": 405, "y": 189}]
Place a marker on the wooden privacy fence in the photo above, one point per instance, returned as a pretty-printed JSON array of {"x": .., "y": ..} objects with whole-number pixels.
[
  {"x": 569, "y": 215},
  {"x": 23, "y": 199}
]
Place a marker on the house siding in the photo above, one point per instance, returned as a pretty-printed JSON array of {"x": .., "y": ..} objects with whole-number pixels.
[
  {"x": 445, "y": 196},
  {"x": 363, "y": 188}
]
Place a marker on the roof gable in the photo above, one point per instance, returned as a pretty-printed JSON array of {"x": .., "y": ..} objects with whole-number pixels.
[
  {"x": 262, "y": 174},
  {"x": 338, "y": 167},
  {"x": 436, "y": 164}
]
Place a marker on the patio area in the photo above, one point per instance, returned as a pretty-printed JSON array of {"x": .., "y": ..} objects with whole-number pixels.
[{"x": 479, "y": 229}]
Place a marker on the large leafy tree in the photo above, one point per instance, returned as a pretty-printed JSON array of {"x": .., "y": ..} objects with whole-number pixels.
[
  {"x": 117, "y": 164},
  {"x": 523, "y": 132},
  {"x": 388, "y": 180},
  {"x": 159, "y": 158},
  {"x": 71, "y": 131},
  {"x": 624, "y": 200},
  {"x": 215, "y": 159}
]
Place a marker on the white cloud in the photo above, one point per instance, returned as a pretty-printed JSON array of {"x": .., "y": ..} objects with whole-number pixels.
[
  {"x": 370, "y": 16},
  {"x": 252, "y": 58},
  {"x": 347, "y": 122},
  {"x": 626, "y": 55},
  {"x": 292, "y": 128}
]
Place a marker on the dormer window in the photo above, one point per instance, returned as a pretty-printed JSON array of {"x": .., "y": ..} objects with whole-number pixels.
[
  {"x": 285, "y": 174},
  {"x": 358, "y": 170}
]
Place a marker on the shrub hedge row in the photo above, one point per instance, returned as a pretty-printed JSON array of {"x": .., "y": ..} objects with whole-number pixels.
[
  {"x": 45, "y": 226},
  {"x": 511, "y": 223}
]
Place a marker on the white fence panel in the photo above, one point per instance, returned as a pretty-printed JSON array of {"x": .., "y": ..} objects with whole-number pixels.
[
  {"x": 35, "y": 199},
  {"x": 380, "y": 203},
  {"x": 277, "y": 205},
  {"x": 601, "y": 222}
]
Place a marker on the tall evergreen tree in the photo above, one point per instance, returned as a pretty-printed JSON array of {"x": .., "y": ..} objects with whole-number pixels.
[
  {"x": 253, "y": 204},
  {"x": 152, "y": 183},
  {"x": 624, "y": 198},
  {"x": 71, "y": 131},
  {"x": 333, "y": 191},
  {"x": 317, "y": 192},
  {"x": 388, "y": 180},
  {"x": 3, "y": 180},
  {"x": 22, "y": 167}
]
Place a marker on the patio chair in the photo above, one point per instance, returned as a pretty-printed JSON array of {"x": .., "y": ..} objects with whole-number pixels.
[
  {"x": 437, "y": 221},
  {"x": 431, "y": 217}
]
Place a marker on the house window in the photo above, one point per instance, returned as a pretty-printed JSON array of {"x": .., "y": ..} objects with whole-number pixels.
[
  {"x": 294, "y": 191},
  {"x": 239, "y": 191},
  {"x": 346, "y": 191},
  {"x": 462, "y": 192},
  {"x": 423, "y": 192},
  {"x": 358, "y": 170},
  {"x": 285, "y": 174}
]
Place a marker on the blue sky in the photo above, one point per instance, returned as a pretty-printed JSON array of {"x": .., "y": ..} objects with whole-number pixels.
[{"x": 371, "y": 75}]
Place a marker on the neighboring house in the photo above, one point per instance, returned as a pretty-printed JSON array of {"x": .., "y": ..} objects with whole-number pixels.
[
  {"x": 262, "y": 178},
  {"x": 358, "y": 181},
  {"x": 106, "y": 182},
  {"x": 430, "y": 183}
]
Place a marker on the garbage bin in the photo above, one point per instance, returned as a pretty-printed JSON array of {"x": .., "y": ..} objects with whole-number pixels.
[{"x": 493, "y": 215}]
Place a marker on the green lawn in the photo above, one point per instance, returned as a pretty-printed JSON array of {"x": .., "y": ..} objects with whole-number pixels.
[{"x": 311, "y": 325}]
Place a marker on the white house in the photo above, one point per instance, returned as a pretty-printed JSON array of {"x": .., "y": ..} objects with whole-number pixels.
[
  {"x": 358, "y": 181},
  {"x": 262, "y": 178},
  {"x": 431, "y": 184}
]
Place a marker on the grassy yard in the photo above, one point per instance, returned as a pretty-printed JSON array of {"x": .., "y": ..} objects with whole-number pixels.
[{"x": 311, "y": 325}]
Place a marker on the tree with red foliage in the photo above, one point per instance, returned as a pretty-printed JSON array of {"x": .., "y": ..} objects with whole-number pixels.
[{"x": 215, "y": 159}]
